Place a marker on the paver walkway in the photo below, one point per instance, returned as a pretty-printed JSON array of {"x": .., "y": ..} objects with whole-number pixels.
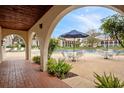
[
  {"x": 21, "y": 74},
  {"x": 85, "y": 69}
]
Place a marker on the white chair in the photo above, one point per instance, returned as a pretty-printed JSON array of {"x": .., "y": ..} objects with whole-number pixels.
[
  {"x": 66, "y": 56},
  {"x": 109, "y": 53},
  {"x": 79, "y": 55},
  {"x": 100, "y": 52}
]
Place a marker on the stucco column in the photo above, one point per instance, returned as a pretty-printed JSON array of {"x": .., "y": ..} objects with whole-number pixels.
[
  {"x": 43, "y": 51},
  {"x": 29, "y": 46},
  {"x": 1, "y": 45},
  {"x": 26, "y": 52},
  {"x": 43, "y": 63}
]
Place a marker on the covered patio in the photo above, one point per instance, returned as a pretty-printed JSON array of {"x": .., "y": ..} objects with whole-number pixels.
[{"x": 23, "y": 21}]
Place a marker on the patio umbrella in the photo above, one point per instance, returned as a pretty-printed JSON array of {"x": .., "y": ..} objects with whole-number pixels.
[{"x": 74, "y": 34}]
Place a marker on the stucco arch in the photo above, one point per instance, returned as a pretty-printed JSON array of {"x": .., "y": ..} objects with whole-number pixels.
[
  {"x": 36, "y": 41},
  {"x": 50, "y": 20},
  {"x": 22, "y": 34},
  {"x": 17, "y": 35},
  {"x": 30, "y": 36},
  {"x": 20, "y": 38}
]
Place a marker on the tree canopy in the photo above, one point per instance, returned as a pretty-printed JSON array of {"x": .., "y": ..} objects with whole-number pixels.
[
  {"x": 91, "y": 40},
  {"x": 114, "y": 27}
]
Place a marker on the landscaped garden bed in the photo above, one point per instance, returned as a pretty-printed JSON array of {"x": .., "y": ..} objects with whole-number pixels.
[
  {"x": 108, "y": 81},
  {"x": 70, "y": 75},
  {"x": 36, "y": 59},
  {"x": 59, "y": 68}
]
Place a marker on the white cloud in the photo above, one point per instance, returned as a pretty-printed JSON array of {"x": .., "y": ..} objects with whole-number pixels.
[
  {"x": 90, "y": 20},
  {"x": 87, "y": 10}
]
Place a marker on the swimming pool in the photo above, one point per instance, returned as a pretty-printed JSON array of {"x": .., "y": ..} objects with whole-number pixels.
[{"x": 90, "y": 51}]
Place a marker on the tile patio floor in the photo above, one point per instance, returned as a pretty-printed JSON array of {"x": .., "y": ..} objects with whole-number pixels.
[{"x": 21, "y": 74}]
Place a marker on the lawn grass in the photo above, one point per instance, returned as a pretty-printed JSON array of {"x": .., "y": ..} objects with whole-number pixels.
[{"x": 90, "y": 48}]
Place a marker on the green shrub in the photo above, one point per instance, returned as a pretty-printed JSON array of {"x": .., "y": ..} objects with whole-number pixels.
[
  {"x": 9, "y": 46},
  {"x": 36, "y": 59},
  {"x": 59, "y": 69},
  {"x": 108, "y": 81},
  {"x": 51, "y": 66},
  {"x": 53, "y": 44},
  {"x": 22, "y": 45}
]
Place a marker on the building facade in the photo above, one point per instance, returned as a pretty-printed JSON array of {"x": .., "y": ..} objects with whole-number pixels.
[
  {"x": 106, "y": 40},
  {"x": 69, "y": 42},
  {"x": 80, "y": 42}
]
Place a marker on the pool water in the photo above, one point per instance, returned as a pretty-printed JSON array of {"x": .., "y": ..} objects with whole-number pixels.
[{"x": 90, "y": 51}]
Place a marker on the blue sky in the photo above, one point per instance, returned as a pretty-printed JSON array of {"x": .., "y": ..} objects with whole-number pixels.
[{"x": 82, "y": 19}]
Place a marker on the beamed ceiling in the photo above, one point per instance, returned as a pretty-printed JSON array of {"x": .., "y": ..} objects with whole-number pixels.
[{"x": 21, "y": 17}]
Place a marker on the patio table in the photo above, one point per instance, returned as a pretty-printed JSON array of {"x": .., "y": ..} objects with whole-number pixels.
[{"x": 108, "y": 54}]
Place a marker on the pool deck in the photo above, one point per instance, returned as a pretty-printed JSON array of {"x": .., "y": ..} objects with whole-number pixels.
[{"x": 87, "y": 65}]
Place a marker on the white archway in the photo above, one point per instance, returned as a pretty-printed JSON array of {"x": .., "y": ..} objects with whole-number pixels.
[
  {"x": 59, "y": 13},
  {"x": 16, "y": 55},
  {"x": 35, "y": 51}
]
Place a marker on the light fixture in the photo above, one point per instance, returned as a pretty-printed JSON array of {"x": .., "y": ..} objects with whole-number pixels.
[{"x": 40, "y": 25}]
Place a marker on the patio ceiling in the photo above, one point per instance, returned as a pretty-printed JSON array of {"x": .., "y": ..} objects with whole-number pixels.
[
  {"x": 121, "y": 7},
  {"x": 21, "y": 17}
]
